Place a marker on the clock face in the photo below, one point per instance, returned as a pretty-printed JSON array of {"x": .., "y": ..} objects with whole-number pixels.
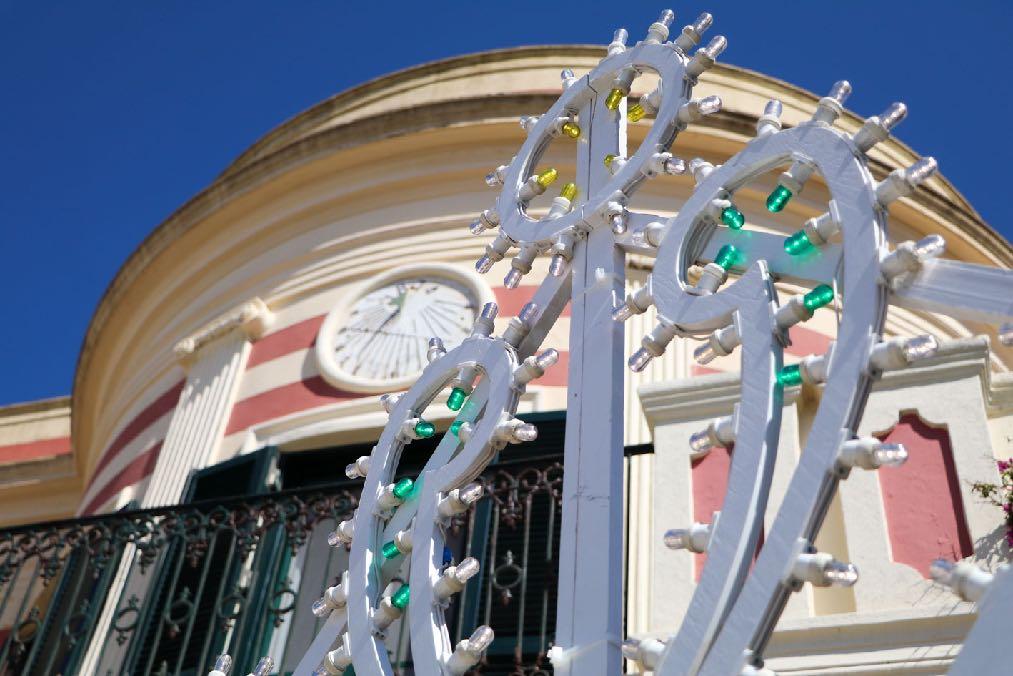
[{"x": 386, "y": 334}]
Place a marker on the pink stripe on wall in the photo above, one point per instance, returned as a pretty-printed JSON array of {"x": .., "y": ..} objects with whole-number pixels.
[
  {"x": 139, "y": 468},
  {"x": 924, "y": 510},
  {"x": 155, "y": 410},
  {"x": 284, "y": 400},
  {"x": 299, "y": 336},
  {"x": 32, "y": 450},
  {"x": 805, "y": 342}
]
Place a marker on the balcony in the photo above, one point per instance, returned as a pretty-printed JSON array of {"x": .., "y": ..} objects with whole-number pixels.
[{"x": 164, "y": 591}]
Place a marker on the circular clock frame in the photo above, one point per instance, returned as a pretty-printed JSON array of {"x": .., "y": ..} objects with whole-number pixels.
[{"x": 324, "y": 349}]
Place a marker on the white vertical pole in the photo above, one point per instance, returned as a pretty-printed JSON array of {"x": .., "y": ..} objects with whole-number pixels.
[{"x": 589, "y": 614}]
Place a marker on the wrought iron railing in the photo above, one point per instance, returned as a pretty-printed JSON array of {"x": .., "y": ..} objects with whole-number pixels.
[{"x": 240, "y": 576}]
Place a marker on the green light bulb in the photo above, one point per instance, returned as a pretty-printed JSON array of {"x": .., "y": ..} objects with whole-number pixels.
[
  {"x": 790, "y": 375},
  {"x": 777, "y": 200},
  {"x": 727, "y": 256},
  {"x": 733, "y": 218},
  {"x": 455, "y": 427},
  {"x": 403, "y": 488},
  {"x": 426, "y": 429},
  {"x": 798, "y": 244},
  {"x": 818, "y": 297},
  {"x": 400, "y": 598},
  {"x": 455, "y": 401},
  {"x": 390, "y": 550}
]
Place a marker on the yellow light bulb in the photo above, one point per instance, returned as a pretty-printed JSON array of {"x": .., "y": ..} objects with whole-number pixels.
[
  {"x": 546, "y": 178},
  {"x": 569, "y": 191},
  {"x": 636, "y": 113},
  {"x": 608, "y": 160},
  {"x": 571, "y": 129},
  {"x": 614, "y": 98}
]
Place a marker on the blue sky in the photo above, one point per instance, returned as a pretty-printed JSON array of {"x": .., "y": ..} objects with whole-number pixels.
[{"x": 112, "y": 114}]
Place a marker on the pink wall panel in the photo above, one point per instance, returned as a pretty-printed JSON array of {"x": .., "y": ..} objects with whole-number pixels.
[
  {"x": 710, "y": 480},
  {"x": 921, "y": 498}
]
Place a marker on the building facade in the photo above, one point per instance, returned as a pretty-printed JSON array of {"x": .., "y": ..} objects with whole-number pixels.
[{"x": 235, "y": 364}]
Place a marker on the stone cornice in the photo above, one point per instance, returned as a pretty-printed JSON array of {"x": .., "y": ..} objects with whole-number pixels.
[{"x": 695, "y": 398}]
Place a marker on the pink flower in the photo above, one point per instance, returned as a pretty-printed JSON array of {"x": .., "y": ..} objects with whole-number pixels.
[{"x": 1003, "y": 465}]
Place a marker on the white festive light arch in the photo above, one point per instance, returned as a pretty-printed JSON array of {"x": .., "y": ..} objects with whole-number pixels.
[{"x": 587, "y": 231}]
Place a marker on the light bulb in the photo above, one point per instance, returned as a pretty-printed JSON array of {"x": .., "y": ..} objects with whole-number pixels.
[
  {"x": 773, "y": 108},
  {"x": 566, "y": 74},
  {"x": 702, "y": 23},
  {"x": 528, "y": 122},
  {"x": 941, "y": 571},
  {"x": 424, "y": 429},
  {"x": 399, "y": 599},
  {"x": 614, "y": 98},
  {"x": 789, "y": 376},
  {"x": 467, "y": 569},
  {"x": 840, "y": 91},
  {"x": 546, "y": 178},
  {"x": 547, "y": 359},
  {"x": 489, "y": 311},
  {"x": 608, "y": 159},
  {"x": 921, "y": 170},
  {"x": 701, "y": 442},
  {"x": 777, "y": 199},
  {"x": 1006, "y": 334},
  {"x": 527, "y": 313},
  {"x": 618, "y": 222},
  {"x": 920, "y": 347},
  {"x": 569, "y": 191},
  {"x": 666, "y": 17},
  {"x": 526, "y": 432},
  {"x": 841, "y": 574},
  {"x": 223, "y": 664},
  {"x": 320, "y": 608},
  {"x": 728, "y": 256},
  {"x": 639, "y": 360},
  {"x": 513, "y": 278},
  {"x": 635, "y": 113},
  {"x": 620, "y": 36},
  {"x": 820, "y": 296},
  {"x": 890, "y": 455},
  {"x": 733, "y": 218},
  {"x": 456, "y": 426},
  {"x": 893, "y": 115},
  {"x": 571, "y": 129},
  {"x": 389, "y": 401},
  {"x": 456, "y": 399},
  {"x": 481, "y": 639},
  {"x": 676, "y": 538},
  {"x": 930, "y": 247},
  {"x": 675, "y": 166},
  {"x": 798, "y": 244},
  {"x": 403, "y": 488},
  {"x": 390, "y": 550},
  {"x": 705, "y": 354},
  {"x": 710, "y": 105},
  {"x": 264, "y": 667},
  {"x": 483, "y": 265},
  {"x": 557, "y": 265}
]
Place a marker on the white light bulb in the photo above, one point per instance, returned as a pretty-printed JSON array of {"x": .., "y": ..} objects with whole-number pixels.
[
  {"x": 320, "y": 608},
  {"x": 526, "y": 432},
  {"x": 622, "y": 313},
  {"x": 701, "y": 442},
  {"x": 675, "y": 166},
  {"x": 774, "y": 108},
  {"x": 893, "y": 115},
  {"x": 512, "y": 279},
  {"x": 841, "y": 574},
  {"x": 557, "y": 265},
  {"x": 930, "y": 247},
  {"x": 528, "y": 312},
  {"x": 890, "y": 455},
  {"x": 921, "y": 170},
  {"x": 466, "y": 569},
  {"x": 920, "y": 347},
  {"x": 676, "y": 538},
  {"x": 481, "y": 639},
  {"x": 483, "y": 265},
  {"x": 716, "y": 46},
  {"x": 710, "y": 105},
  {"x": 547, "y": 359},
  {"x": 941, "y": 571},
  {"x": 702, "y": 23},
  {"x": 840, "y": 91},
  {"x": 618, "y": 223},
  {"x": 666, "y": 17},
  {"x": 1006, "y": 334},
  {"x": 264, "y": 667},
  {"x": 705, "y": 354},
  {"x": 223, "y": 664},
  {"x": 639, "y": 360}
]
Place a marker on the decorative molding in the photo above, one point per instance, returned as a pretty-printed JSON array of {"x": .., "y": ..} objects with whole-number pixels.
[{"x": 252, "y": 318}]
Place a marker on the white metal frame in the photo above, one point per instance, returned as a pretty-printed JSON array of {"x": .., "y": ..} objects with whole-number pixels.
[{"x": 734, "y": 610}]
